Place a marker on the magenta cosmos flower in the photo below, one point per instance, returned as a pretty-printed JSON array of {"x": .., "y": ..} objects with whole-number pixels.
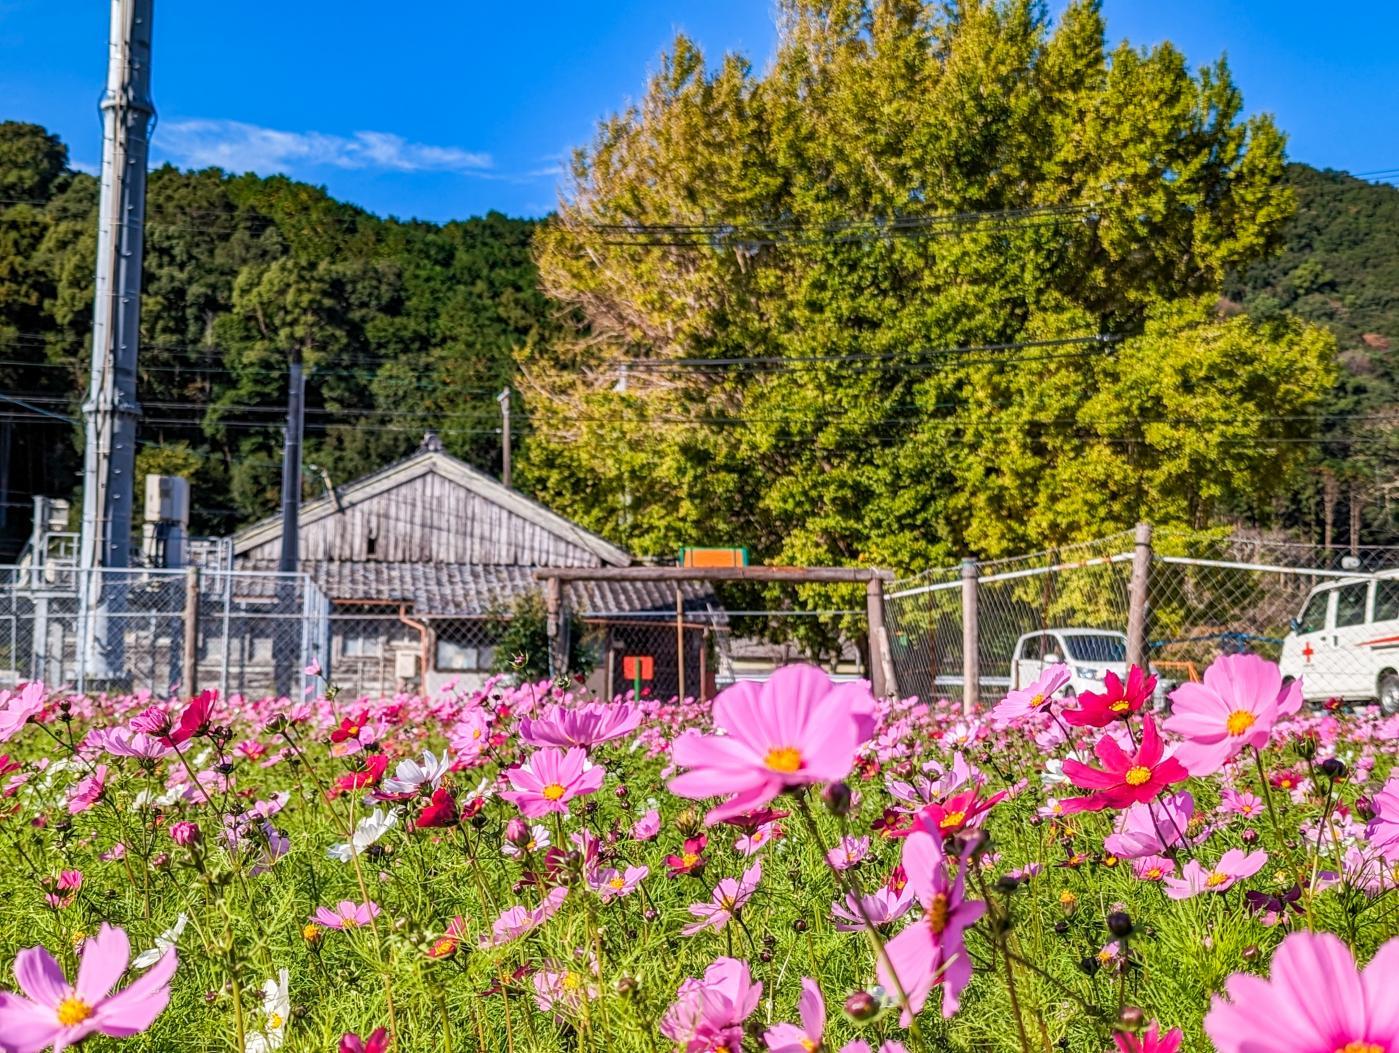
[
  {"x": 797, "y": 728},
  {"x": 930, "y": 951},
  {"x": 1315, "y": 1002},
  {"x": 1117, "y": 701},
  {"x": 1233, "y": 866},
  {"x": 346, "y": 915},
  {"x": 1124, "y": 779},
  {"x": 550, "y": 779},
  {"x": 1383, "y": 828},
  {"x": 1150, "y": 829},
  {"x": 58, "y": 1014},
  {"x": 1235, "y": 706},
  {"x": 1037, "y": 698},
  {"x": 584, "y": 726},
  {"x": 789, "y": 1038}
]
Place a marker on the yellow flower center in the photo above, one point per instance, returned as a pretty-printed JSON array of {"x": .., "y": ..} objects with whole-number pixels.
[
  {"x": 72, "y": 1011},
  {"x": 808, "y": 1045},
  {"x": 1239, "y": 721},
  {"x": 1106, "y": 955},
  {"x": 444, "y": 947},
  {"x": 1038, "y": 700},
  {"x": 572, "y": 981},
  {"x": 1138, "y": 775},
  {"x": 350, "y": 923},
  {"x": 689, "y": 858},
  {"x": 1216, "y": 878},
  {"x": 353, "y": 729},
  {"x": 275, "y": 1021},
  {"x": 785, "y": 759},
  {"x": 937, "y": 913},
  {"x": 1120, "y": 706},
  {"x": 311, "y": 933},
  {"x": 553, "y": 792},
  {"x": 475, "y": 733},
  {"x": 1154, "y": 874},
  {"x": 1360, "y": 1046},
  {"x": 1067, "y": 898},
  {"x": 728, "y": 903},
  {"x": 952, "y": 819},
  {"x": 617, "y": 883}
]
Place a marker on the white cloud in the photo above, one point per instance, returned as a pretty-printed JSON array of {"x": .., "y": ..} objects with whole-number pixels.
[{"x": 241, "y": 147}]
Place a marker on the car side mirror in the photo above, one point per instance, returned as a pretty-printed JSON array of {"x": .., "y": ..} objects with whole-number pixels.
[
  {"x": 1052, "y": 659},
  {"x": 1296, "y": 624}
]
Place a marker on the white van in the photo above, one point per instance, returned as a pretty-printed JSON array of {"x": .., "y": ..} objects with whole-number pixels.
[
  {"x": 1089, "y": 653},
  {"x": 1345, "y": 643}
]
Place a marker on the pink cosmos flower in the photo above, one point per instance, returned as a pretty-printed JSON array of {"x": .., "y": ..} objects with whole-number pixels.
[
  {"x": 1124, "y": 779},
  {"x": 610, "y": 883},
  {"x": 346, "y": 915},
  {"x": 708, "y": 1013},
  {"x": 1149, "y": 829},
  {"x": 122, "y": 742},
  {"x": 1039, "y": 697},
  {"x": 470, "y": 735},
  {"x": 184, "y": 832},
  {"x": 1241, "y": 698},
  {"x": 1233, "y": 866},
  {"x": 962, "y": 811},
  {"x": 883, "y": 906},
  {"x": 1118, "y": 702},
  {"x": 88, "y": 791},
  {"x": 1153, "y": 868},
  {"x": 62, "y": 890},
  {"x": 848, "y": 853},
  {"x": 1315, "y": 1002},
  {"x": 751, "y": 843},
  {"x": 1150, "y": 1040},
  {"x": 1241, "y": 802},
  {"x": 729, "y": 897},
  {"x": 585, "y": 726},
  {"x": 930, "y": 951},
  {"x": 795, "y": 729},
  {"x": 16, "y": 707},
  {"x": 194, "y": 719},
  {"x": 647, "y": 827},
  {"x": 518, "y": 921},
  {"x": 550, "y": 779},
  {"x": 54, "y": 1013},
  {"x": 1383, "y": 829},
  {"x": 789, "y": 1038}
]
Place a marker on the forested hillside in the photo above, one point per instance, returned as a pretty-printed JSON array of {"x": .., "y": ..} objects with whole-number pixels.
[
  {"x": 1339, "y": 266},
  {"x": 404, "y": 326}
]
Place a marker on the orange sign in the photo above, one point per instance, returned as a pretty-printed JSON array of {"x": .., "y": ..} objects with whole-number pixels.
[
  {"x": 638, "y": 667},
  {"x": 714, "y": 557}
]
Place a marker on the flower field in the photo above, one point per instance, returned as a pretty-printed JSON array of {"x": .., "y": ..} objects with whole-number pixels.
[{"x": 796, "y": 867}]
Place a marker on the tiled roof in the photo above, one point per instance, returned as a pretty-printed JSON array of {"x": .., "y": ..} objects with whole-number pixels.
[{"x": 462, "y": 590}]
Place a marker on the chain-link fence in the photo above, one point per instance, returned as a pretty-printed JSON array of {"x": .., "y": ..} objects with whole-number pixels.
[
  {"x": 161, "y": 630},
  {"x": 1328, "y": 616}
]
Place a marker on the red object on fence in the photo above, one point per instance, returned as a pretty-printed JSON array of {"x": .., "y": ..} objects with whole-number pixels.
[{"x": 638, "y": 667}]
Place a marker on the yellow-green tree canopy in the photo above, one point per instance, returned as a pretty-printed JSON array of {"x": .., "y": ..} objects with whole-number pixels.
[{"x": 941, "y": 279}]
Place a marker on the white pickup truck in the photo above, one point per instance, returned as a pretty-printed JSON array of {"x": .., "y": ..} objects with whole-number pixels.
[{"x": 1088, "y": 653}]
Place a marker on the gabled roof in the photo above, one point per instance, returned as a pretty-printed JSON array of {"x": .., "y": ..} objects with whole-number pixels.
[{"x": 427, "y": 462}]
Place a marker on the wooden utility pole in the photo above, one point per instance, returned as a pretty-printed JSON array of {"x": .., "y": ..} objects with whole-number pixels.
[
  {"x": 189, "y": 666},
  {"x": 680, "y": 640},
  {"x": 504, "y": 399},
  {"x": 881, "y": 660},
  {"x": 1138, "y": 595}
]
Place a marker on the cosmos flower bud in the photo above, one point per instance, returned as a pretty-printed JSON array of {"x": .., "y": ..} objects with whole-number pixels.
[
  {"x": 1131, "y": 1017},
  {"x": 861, "y": 1006},
  {"x": 837, "y": 798},
  {"x": 184, "y": 833},
  {"x": 1120, "y": 924},
  {"x": 1333, "y": 768}
]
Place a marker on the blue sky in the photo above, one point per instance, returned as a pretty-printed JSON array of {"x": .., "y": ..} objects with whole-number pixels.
[{"x": 446, "y": 108}]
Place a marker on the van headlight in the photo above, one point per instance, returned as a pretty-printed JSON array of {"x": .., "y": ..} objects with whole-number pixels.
[{"x": 1087, "y": 672}]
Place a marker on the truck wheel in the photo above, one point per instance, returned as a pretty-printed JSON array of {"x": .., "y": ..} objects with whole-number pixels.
[{"x": 1388, "y": 691}]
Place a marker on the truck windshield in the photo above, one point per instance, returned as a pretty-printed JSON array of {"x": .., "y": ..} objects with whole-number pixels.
[{"x": 1104, "y": 648}]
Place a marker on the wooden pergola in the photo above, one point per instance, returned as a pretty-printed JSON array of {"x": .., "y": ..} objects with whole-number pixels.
[{"x": 881, "y": 664}]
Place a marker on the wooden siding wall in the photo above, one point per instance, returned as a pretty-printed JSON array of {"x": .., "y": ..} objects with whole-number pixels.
[{"x": 432, "y": 520}]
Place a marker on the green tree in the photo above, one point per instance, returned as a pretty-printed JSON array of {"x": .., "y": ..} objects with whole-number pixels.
[{"x": 794, "y": 292}]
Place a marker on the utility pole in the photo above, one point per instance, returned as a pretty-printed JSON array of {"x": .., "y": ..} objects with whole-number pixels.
[
  {"x": 504, "y": 399},
  {"x": 111, "y": 410},
  {"x": 291, "y": 466}
]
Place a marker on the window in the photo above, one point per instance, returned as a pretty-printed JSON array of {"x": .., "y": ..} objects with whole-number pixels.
[
  {"x": 1350, "y": 605},
  {"x": 358, "y": 643},
  {"x": 1387, "y": 599},
  {"x": 1104, "y": 648},
  {"x": 453, "y": 657},
  {"x": 1313, "y": 618}
]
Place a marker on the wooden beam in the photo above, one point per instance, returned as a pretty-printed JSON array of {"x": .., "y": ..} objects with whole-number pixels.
[{"x": 793, "y": 574}]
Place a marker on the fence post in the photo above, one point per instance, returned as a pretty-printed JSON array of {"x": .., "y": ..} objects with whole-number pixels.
[
  {"x": 189, "y": 665},
  {"x": 680, "y": 641},
  {"x": 881, "y": 661},
  {"x": 1137, "y": 596},
  {"x": 971, "y": 656}
]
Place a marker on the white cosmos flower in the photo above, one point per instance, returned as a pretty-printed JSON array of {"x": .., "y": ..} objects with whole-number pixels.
[
  {"x": 276, "y": 1008},
  {"x": 163, "y": 943},
  {"x": 411, "y": 776},
  {"x": 370, "y": 829},
  {"x": 538, "y": 841}
]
